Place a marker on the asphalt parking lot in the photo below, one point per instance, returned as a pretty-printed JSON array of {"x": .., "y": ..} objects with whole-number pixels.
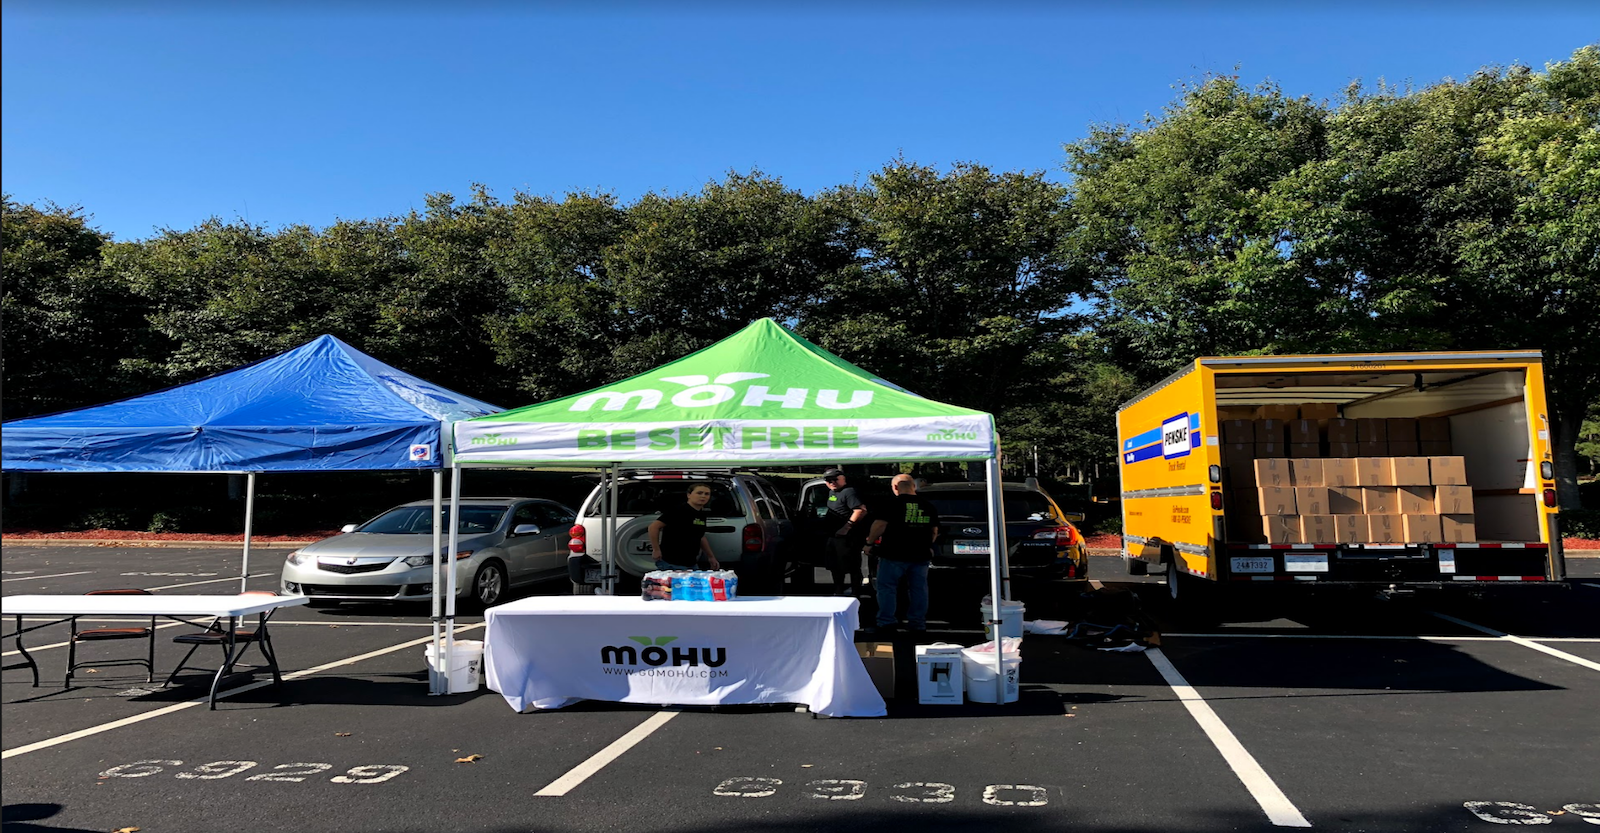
[{"x": 1339, "y": 713}]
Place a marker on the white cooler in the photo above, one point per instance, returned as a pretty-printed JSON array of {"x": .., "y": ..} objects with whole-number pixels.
[{"x": 939, "y": 678}]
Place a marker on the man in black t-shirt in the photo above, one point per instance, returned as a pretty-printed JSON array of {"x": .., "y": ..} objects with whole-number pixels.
[
  {"x": 902, "y": 537},
  {"x": 678, "y": 536},
  {"x": 843, "y": 546}
]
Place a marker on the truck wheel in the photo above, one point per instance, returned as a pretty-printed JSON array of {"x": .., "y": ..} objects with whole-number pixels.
[{"x": 1179, "y": 585}]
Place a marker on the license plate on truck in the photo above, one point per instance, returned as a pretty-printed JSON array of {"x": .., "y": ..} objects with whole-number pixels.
[
  {"x": 972, "y": 548},
  {"x": 1251, "y": 565},
  {"x": 591, "y": 575}
]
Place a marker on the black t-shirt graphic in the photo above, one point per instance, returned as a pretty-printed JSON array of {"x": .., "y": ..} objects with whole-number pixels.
[
  {"x": 841, "y": 504},
  {"x": 909, "y": 536},
  {"x": 680, "y": 538}
]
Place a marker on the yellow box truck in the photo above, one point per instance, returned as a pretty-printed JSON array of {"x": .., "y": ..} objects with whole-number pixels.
[{"x": 1394, "y": 471}]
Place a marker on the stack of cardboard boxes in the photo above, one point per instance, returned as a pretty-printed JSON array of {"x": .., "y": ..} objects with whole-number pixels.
[{"x": 1299, "y": 474}]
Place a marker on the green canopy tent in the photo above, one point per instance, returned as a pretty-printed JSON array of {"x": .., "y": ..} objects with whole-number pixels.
[{"x": 763, "y": 396}]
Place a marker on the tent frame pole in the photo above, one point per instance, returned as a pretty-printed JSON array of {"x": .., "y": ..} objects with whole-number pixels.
[
  {"x": 997, "y": 549},
  {"x": 450, "y": 571},
  {"x": 434, "y": 686},
  {"x": 249, "y": 527}
]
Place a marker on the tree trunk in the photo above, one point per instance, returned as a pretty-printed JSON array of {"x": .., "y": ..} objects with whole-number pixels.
[{"x": 1567, "y": 422}]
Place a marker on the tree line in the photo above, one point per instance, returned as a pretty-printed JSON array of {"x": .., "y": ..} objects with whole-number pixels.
[{"x": 1239, "y": 220}]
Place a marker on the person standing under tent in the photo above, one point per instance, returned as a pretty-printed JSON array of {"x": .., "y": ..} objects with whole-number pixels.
[
  {"x": 843, "y": 547},
  {"x": 678, "y": 536},
  {"x": 902, "y": 537}
]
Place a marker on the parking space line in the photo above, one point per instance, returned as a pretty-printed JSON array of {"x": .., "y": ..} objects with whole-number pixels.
[
  {"x": 57, "y": 575},
  {"x": 1589, "y": 584},
  {"x": 207, "y": 581},
  {"x": 1526, "y": 643},
  {"x": 200, "y": 701},
  {"x": 1280, "y": 811},
  {"x": 1429, "y": 638},
  {"x": 598, "y": 761}
]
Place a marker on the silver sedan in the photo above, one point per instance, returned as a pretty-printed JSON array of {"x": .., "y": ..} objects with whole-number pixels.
[{"x": 501, "y": 542}]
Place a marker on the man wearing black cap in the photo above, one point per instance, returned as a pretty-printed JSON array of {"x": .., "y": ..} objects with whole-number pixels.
[{"x": 843, "y": 548}]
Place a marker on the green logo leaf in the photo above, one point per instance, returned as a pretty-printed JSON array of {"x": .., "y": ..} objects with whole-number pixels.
[
  {"x": 662, "y": 640},
  {"x": 642, "y": 640}
]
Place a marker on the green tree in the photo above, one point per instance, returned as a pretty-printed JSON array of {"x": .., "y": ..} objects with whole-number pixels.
[{"x": 68, "y": 319}]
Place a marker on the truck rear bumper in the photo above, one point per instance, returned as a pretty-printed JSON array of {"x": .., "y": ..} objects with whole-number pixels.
[{"x": 1442, "y": 564}]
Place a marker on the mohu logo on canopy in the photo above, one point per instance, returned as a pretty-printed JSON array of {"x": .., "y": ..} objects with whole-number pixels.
[{"x": 705, "y": 392}]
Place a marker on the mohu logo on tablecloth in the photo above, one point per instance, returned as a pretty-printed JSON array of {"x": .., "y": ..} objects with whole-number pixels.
[{"x": 655, "y": 654}]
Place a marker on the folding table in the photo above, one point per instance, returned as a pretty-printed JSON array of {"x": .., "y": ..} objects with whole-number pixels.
[{"x": 187, "y": 609}]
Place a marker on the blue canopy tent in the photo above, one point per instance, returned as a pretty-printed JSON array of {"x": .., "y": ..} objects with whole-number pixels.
[{"x": 323, "y": 406}]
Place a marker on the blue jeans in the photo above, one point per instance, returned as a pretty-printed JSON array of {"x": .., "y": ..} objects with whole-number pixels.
[{"x": 890, "y": 574}]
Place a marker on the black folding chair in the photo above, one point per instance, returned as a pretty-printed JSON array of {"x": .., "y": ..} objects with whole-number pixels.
[
  {"x": 112, "y": 634},
  {"x": 217, "y": 634}
]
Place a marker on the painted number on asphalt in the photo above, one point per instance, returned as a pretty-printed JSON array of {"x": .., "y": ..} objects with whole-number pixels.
[
  {"x": 910, "y": 792},
  {"x": 293, "y": 773},
  {"x": 1510, "y": 812}
]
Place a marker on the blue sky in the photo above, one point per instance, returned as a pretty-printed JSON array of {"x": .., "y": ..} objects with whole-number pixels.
[{"x": 152, "y": 115}]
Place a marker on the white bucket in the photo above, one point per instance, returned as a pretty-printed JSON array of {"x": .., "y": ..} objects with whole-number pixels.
[
  {"x": 466, "y": 666},
  {"x": 1010, "y": 617},
  {"x": 978, "y": 668}
]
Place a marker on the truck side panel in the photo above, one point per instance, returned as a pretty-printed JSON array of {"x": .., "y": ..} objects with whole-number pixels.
[{"x": 1167, "y": 442}]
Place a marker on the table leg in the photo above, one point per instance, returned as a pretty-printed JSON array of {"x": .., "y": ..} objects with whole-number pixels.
[
  {"x": 228, "y": 656},
  {"x": 27, "y": 657},
  {"x": 264, "y": 637}
]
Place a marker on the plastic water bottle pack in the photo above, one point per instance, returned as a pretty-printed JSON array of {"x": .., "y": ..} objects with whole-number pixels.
[{"x": 691, "y": 585}]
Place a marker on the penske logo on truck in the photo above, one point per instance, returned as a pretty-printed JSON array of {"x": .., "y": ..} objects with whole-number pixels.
[{"x": 1176, "y": 437}]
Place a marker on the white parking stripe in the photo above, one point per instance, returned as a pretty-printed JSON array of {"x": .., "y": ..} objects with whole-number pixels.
[
  {"x": 1280, "y": 811},
  {"x": 1332, "y": 636},
  {"x": 1526, "y": 643},
  {"x": 177, "y": 707},
  {"x": 57, "y": 575},
  {"x": 597, "y": 762},
  {"x": 1589, "y": 584},
  {"x": 207, "y": 581}
]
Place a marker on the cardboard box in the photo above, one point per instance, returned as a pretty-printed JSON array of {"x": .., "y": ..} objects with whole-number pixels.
[
  {"x": 1319, "y": 529},
  {"x": 1344, "y": 450},
  {"x": 1420, "y": 529},
  {"x": 1339, "y": 471},
  {"x": 1404, "y": 449},
  {"x": 1238, "y": 431},
  {"x": 1430, "y": 448},
  {"x": 1373, "y": 471},
  {"x": 1452, "y": 500},
  {"x": 1410, "y": 471},
  {"x": 1227, "y": 412},
  {"x": 1273, "y": 472},
  {"x": 1350, "y": 529},
  {"x": 1312, "y": 500},
  {"x": 1415, "y": 500},
  {"x": 1305, "y": 472},
  {"x": 1303, "y": 431},
  {"x": 1458, "y": 529},
  {"x": 1276, "y": 500},
  {"x": 1270, "y": 431},
  {"x": 1316, "y": 411},
  {"x": 878, "y": 657},
  {"x": 1344, "y": 500},
  {"x": 1304, "y": 450},
  {"x": 1341, "y": 431},
  {"x": 1379, "y": 500},
  {"x": 1447, "y": 471},
  {"x": 1281, "y": 529},
  {"x": 1383, "y": 529},
  {"x": 1265, "y": 450},
  {"x": 1372, "y": 449},
  {"x": 1278, "y": 412},
  {"x": 1371, "y": 431},
  {"x": 1403, "y": 430},
  {"x": 1433, "y": 429}
]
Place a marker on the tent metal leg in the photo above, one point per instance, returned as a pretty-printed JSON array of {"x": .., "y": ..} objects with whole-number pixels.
[
  {"x": 997, "y": 586},
  {"x": 450, "y": 573},
  {"x": 438, "y": 540},
  {"x": 249, "y": 527}
]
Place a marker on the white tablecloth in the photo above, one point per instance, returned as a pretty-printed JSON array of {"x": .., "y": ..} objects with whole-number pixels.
[{"x": 548, "y": 652}]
